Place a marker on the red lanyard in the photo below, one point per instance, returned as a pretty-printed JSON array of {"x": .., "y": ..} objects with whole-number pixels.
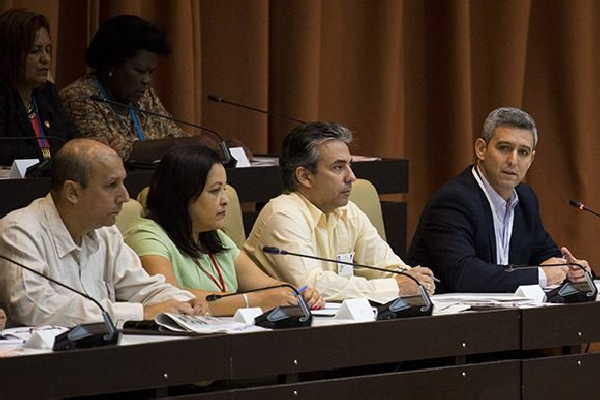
[
  {"x": 36, "y": 124},
  {"x": 220, "y": 283}
]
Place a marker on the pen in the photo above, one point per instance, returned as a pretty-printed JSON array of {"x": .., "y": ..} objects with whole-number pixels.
[{"x": 302, "y": 289}]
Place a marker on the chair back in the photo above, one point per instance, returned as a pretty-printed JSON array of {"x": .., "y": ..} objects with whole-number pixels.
[
  {"x": 234, "y": 219},
  {"x": 130, "y": 213},
  {"x": 365, "y": 196}
]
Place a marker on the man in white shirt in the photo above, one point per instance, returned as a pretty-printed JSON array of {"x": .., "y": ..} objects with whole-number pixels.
[
  {"x": 70, "y": 236},
  {"x": 316, "y": 218}
]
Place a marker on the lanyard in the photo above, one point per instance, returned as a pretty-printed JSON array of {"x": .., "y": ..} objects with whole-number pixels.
[
  {"x": 221, "y": 282},
  {"x": 137, "y": 125},
  {"x": 38, "y": 128}
]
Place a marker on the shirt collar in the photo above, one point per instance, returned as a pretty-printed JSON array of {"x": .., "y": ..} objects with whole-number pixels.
[
  {"x": 497, "y": 201},
  {"x": 318, "y": 217},
  {"x": 60, "y": 235}
]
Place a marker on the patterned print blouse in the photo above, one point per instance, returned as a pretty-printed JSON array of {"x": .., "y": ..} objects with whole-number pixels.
[{"x": 99, "y": 121}]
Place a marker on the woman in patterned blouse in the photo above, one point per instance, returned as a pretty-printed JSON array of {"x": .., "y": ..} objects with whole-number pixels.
[{"x": 123, "y": 55}]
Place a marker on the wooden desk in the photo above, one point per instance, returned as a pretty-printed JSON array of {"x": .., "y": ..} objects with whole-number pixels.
[
  {"x": 155, "y": 365},
  {"x": 570, "y": 376},
  {"x": 461, "y": 340}
]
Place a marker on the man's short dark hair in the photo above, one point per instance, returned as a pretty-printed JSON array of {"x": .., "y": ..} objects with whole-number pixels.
[
  {"x": 120, "y": 38},
  {"x": 510, "y": 117},
  {"x": 301, "y": 148}
]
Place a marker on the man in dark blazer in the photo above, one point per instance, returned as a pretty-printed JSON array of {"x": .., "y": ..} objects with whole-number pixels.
[{"x": 486, "y": 217}]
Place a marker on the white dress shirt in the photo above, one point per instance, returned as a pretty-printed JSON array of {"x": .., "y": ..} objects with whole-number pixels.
[
  {"x": 102, "y": 266},
  {"x": 503, "y": 212}
]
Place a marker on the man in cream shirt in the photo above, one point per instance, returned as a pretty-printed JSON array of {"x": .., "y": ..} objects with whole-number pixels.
[
  {"x": 70, "y": 236},
  {"x": 315, "y": 217}
]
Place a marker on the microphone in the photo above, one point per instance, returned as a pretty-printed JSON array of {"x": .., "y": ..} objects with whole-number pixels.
[
  {"x": 218, "y": 99},
  {"x": 402, "y": 307},
  {"x": 84, "y": 335},
  {"x": 293, "y": 316},
  {"x": 568, "y": 292},
  {"x": 42, "y": 168},
  {"x": 228, "y": 159},
  {"x": 579, "y": 205}
]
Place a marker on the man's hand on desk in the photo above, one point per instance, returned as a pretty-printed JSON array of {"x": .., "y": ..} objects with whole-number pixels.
[
  {"x": 575, "y": 274},
  {"x": 555, "y": 275},
  {"x": 195, "y": 306},
  {"x": 422, "y": 274}
]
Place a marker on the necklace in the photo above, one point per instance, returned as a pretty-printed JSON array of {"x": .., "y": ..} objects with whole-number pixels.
[{"x": 29, "y": 107}]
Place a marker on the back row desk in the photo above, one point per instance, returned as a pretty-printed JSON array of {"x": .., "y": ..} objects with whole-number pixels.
[
  {"x": 253, "y": 184},
  {"x": 253, "y": 355}
]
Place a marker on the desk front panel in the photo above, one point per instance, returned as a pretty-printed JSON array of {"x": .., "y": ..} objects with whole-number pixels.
[
  {"x": 499, "y": 380},
  {"x": 114, "y": 368},
  {"x": 318, "y": 348},
  {"x": 561, "y": 377},
  {"x": 562, "y": 325}
]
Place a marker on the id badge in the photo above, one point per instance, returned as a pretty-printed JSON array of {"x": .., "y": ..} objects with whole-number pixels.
[{"x": 346, "y": 271}]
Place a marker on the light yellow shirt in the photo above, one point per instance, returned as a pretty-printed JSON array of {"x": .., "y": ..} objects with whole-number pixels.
[
  {"x": 102, "y": 266},
  {"x": 291, "y": 222}
]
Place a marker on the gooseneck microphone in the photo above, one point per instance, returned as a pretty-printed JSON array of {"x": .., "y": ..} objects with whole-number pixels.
[
  {"x": 401, "y": 307},
  {"x": 277, "y": 251},
  {"x": 228, "y": 159},
  {"x": 568, "y": 292},
  {"x": 84, "y": 335},
  {"x": 579, "y": 205},
  {"x": 213, "y": 297},
  {"x": 218, "y": 99},
  {"x": 292, "y": 316}
]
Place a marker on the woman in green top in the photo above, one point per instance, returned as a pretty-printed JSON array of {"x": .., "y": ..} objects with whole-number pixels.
[{"x": 182, "y": 240}]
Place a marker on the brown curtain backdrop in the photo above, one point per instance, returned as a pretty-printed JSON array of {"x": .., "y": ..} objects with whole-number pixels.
[{"x": 414, "y": 79}]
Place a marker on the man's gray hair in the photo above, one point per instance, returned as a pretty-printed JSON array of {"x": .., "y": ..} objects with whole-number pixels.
[
  {"x": 508, "y": 117},
  {"x": 301, "y": 148}
]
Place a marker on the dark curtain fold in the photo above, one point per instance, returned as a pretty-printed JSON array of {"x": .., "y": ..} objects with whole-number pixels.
[{"x": 414, "y": 79}]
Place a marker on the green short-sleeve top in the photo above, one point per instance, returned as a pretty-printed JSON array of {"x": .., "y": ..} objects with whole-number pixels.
[{"x": 148, "y": 238}]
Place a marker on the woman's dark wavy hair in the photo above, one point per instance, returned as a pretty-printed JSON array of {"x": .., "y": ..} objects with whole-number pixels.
[
  {"x": 178, "y": 180},
  {"x": 120, "y": 38},
  {"x": 17, "y": 34}
]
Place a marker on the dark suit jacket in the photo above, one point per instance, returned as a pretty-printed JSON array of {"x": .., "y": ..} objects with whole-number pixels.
[
  {"x": 455, "y": 238},
  {"x": 14, "y": 122}
]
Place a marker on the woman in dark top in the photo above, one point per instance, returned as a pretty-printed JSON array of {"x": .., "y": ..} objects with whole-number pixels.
[{"x": 30, "y": 108}]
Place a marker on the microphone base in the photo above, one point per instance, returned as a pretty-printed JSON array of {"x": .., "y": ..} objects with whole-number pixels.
[
  {"x": 86, "y": 336},
  {"x": 573, "y": 293},
  {"x": 404, "y": 307},
  {"x": 43, "y": 169},
  {"x": 283, "y": 317}
]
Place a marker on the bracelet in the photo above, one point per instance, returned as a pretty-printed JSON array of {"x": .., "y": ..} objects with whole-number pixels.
[{"x": 245, "y": 296}]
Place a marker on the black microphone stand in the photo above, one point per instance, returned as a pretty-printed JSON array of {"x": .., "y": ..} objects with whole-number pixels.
[
  {"x": 292, "y": 316},
  {"x": 401, "y": 307},
  {"x": 579, "y": 205},
  {"x": 218, "y": 99},
  {"x": 228, "y": 160},
  {"x": 568, "y": 292},
  {"x": 84, "y": 335}
]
